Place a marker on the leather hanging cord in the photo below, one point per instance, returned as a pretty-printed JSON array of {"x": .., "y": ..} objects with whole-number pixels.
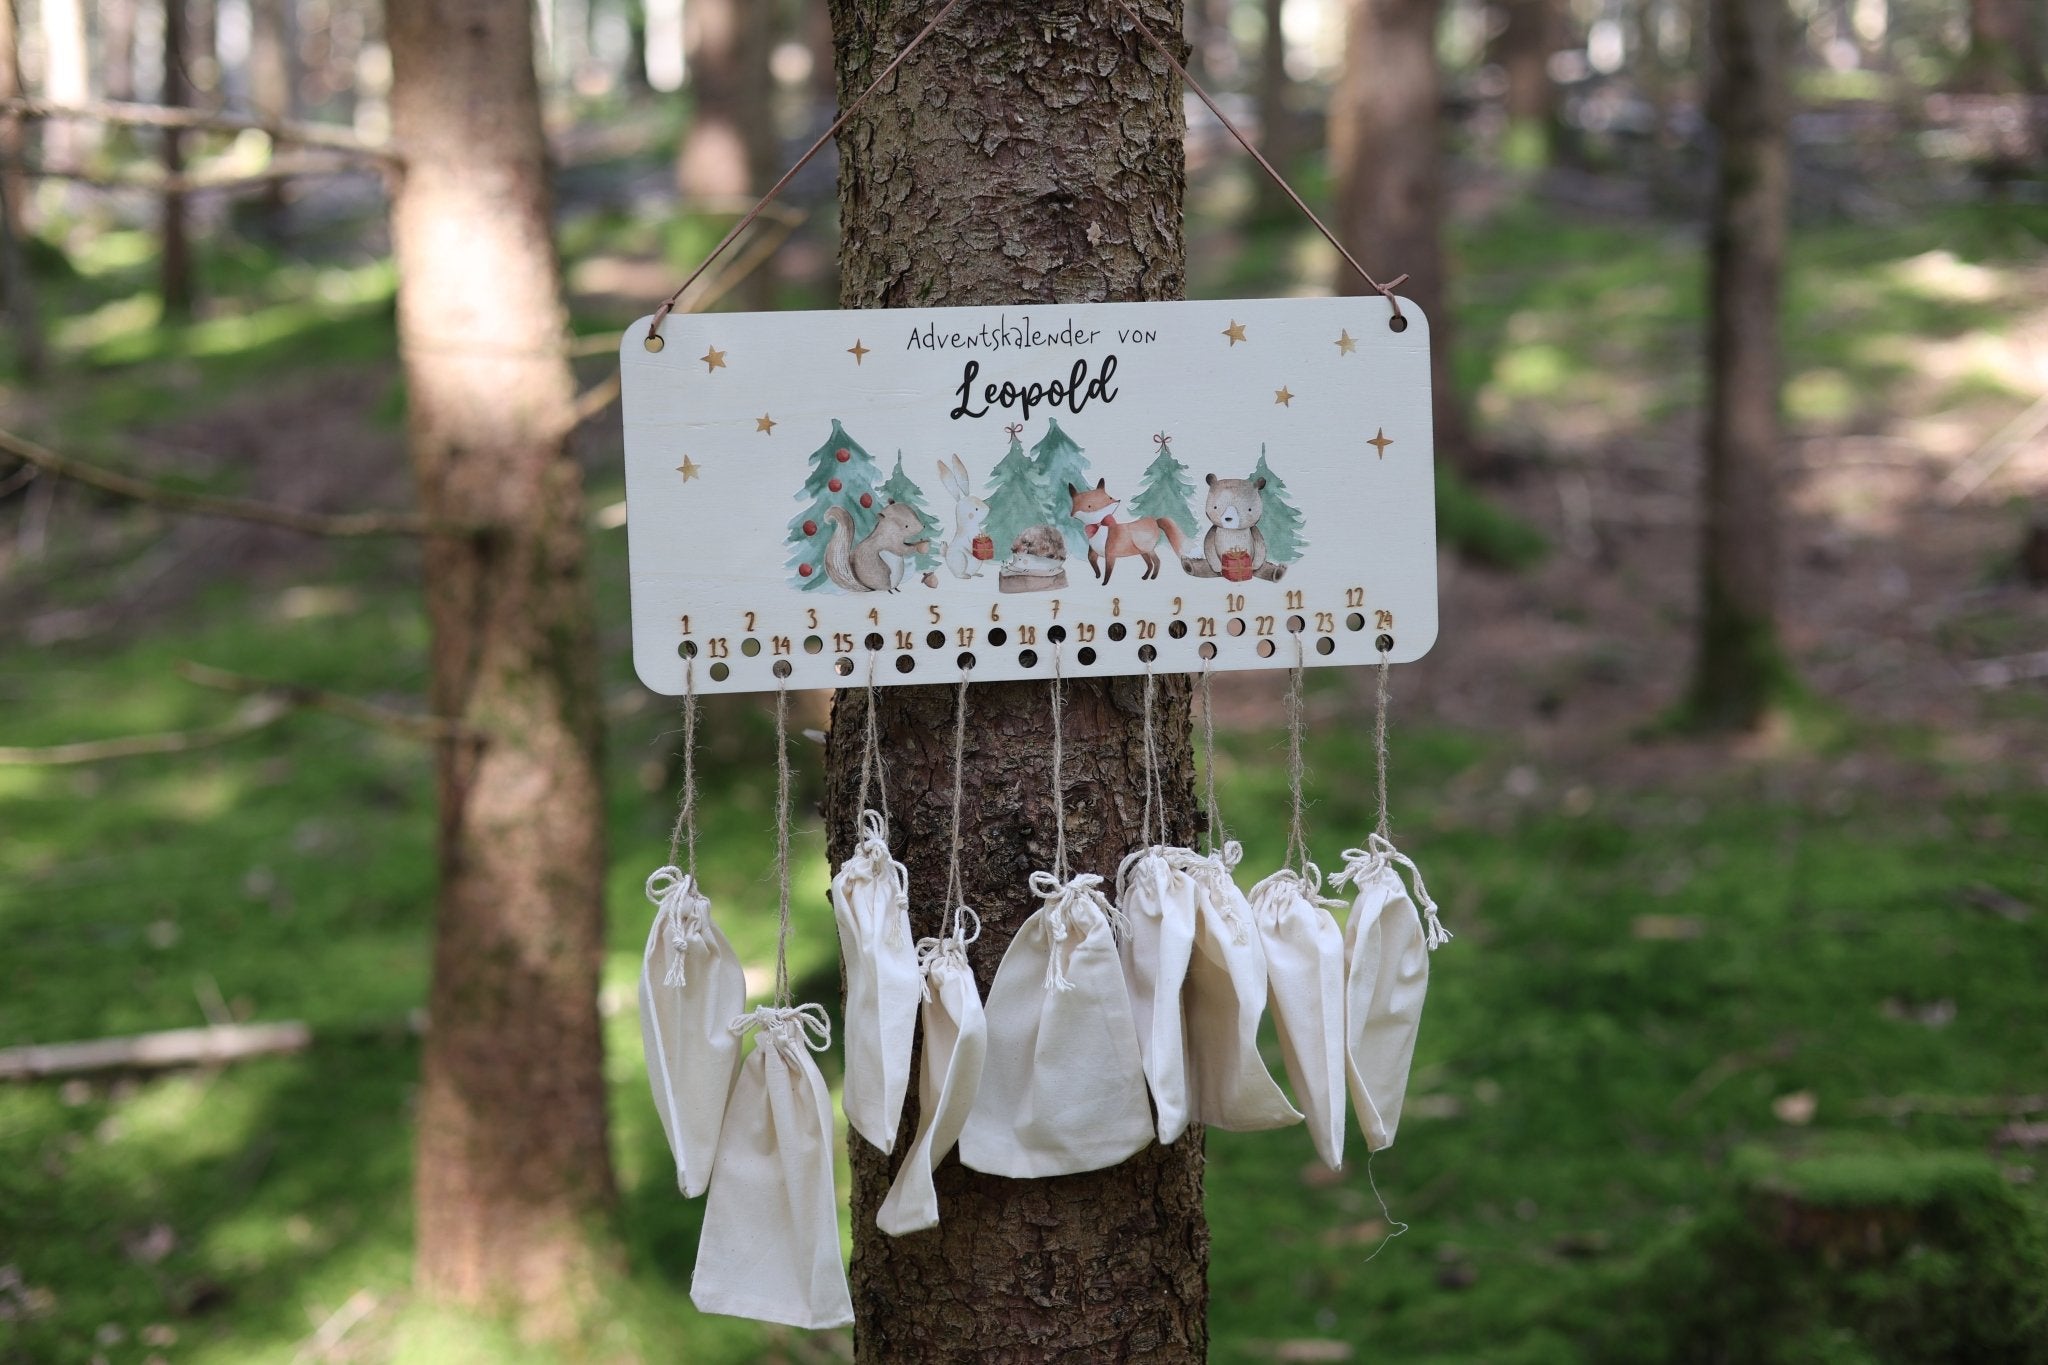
[{"x": 668, "y": 305}]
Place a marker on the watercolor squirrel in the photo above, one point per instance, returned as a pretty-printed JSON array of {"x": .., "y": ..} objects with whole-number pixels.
[
  {"x": 875, "y": 563},
  {"x": 1234, "y": 509},
  {"x": 1110, "y": 540}
]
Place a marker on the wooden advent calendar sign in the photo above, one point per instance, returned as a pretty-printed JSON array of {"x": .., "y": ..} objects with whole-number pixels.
[{"x": 817, "y": 498}]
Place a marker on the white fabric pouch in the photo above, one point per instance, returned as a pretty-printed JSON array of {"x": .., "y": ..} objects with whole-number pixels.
[
  {"x": 1157, "y": 898},
  {"x": 1387, "y": 943},
  {"x": 871, "y": 902},
  {"x": 770, "y": 1246},
  {"x": 1305, "y": 981},
  {"x": 1063, "y": 1089},
  {"x": 691, "y": 986},
  {"x": 955, "y": 1049},
  {"x": 1229, "y": 1086}
]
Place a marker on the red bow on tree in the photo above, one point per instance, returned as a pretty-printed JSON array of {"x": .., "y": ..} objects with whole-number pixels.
[
  {"x": 1014, "y": 428},
  {"x": 1160, "y": 438}
]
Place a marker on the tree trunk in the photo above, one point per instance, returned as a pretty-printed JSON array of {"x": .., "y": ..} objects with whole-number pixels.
[
  {"x": 174, "y": 269},
  {"x": 729, "y": 150},
  {"x": 17, "y": 285},
  {"x": 1025, "y": 154},
  {"x": 1276, "y": 123},
  {"x": 1523, "y": 49},
  {"x": 1739, "y": 670},
  {"x": 2004, "y": 56},
  {"x": 1387, "y": 146},
  {"x": 117, "y": 48},
  {"x": 513, "y": 1171},
  {"x": 67, "y": 79},
  {"x": 271, "y": 35}
]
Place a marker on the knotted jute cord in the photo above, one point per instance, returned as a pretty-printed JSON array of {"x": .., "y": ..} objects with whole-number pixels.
[
  {"x": 1153, "y": 787},
  {"x": 1386, "y": 290},
  {"x": 684, "y": 833},
  {"x": 1379, "y": 745},
  {"x": 1059, "y": 753},
  {"x": 1297, "y": 838},
  {"x": 782, "y": 995},
  {"x": 871, "y": 772},
  {"x": 1216, "y": 833},
  {"x": 955, "y": 894}
]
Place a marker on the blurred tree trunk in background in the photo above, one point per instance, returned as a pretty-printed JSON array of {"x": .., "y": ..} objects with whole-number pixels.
[
  {"x": 1522, "y": 49},
  {"x": 1386, "y": 142},
  {"x": 2004, "y": 57},
  {"x": 203, "y": 85},
  {"x": 513, "y": 1173},
  {"x": 1276, "y": 122},
  {"x": 1740, "y": 671},
  {"x": 17, "y": 286},
  {"x": 730, "y": 146},
  {"x": 272, "y": 32},
  {"x": 67, "y": 79},
  {"x": 1212, "y": 47},
  {"x": 1081, "y": 202},
  {"x": 174, "y": 267},
  {"x": 117, "y": 48}
]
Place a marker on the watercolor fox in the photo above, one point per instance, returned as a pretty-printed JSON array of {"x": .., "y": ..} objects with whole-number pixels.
[{"x": 1110, "y": 540}]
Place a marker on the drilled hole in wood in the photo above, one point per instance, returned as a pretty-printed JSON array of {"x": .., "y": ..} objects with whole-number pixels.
[
  {"x": 935, "y": 639},
  {"x": 1265, "y": 649},
  {"x": 1397, "y": 324},
  {"x": 1116, "y": 630},
  {"x": 719, "y": 672},
  {"x": 1177, "y": 629},
  {"x": 813, "y": 645},
  {"x": 874, "y": 640},
  {"x": 1326, "y": 645},
  {"x": 782, "y": 668},
  {"x": 1146, "y": 653},
  {"x": 688, "y": 649},
  {"x": 1355, "y": 621},
  {"x": 999, "y": 637},
  {"x": 1236, "y": 626},
  {"x": 750, "y": 647},
  {"x": 1087, "y": 655},
  {"x": 1208, "y": 650},
  {"x": 1027, "y": 658},
  {"x": 843, "y": 666},
  {"x": 653, "y": 342},
  {"x": 966, "y": 661},
  {"x": 1384, "y": 644},
  {"x": 1057, "y": 634},
  {"x": 1296, "y": 625},
  {"x": 904, "y": 663}
]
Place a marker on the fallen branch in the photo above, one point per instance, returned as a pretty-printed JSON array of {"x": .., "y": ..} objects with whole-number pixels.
[
  {"x": 337, "y": 1325},
  {"x": 1953, "y": 1106},
  {"x": 18, "y": 480},
  {"x": 411, "y": 726},
  {"x": 333, "y": 137},
  {"x": 237, "y": 509},
  {"x": 155, "y": 1051},
  {"x": 195, "y": 182},
  {"x": 258, "y": 713}
]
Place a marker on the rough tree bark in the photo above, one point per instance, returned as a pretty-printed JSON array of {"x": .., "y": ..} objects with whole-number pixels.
[
  {"x": 513, "y": 1170},
  {"x": 1387, "y": 146},
  {"x": 174, "y": 266},
  {"x": 1739, "y": 669},
  {"x": 1025, "y": 154}
]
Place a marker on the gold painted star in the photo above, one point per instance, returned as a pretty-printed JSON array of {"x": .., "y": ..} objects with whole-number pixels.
[
  {"x": 713, "y": 358},
  {"x": 1235, "y": 331},
  {"x": 857, "y": 351},
  {"x": 689, "y": 469},
  {"x": 1379, "y": 442},
  {"x": 765, "y": 423},
  {"x": 1283, "y": 397},
  {"x": 1346, "y": 343}
]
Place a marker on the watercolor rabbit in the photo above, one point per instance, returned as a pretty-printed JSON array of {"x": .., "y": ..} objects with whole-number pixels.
[{"x": 970, "y": 518}]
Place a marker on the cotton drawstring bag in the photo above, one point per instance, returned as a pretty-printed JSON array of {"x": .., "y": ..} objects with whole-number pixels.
[
  {"x": 1222, "y": 1002},
  {"x": 691, "y": 986},
  {"x": 1387, "y": 943},
  {"x": 1157, "y": 898},
  {"x": 871, "y": 902},
  {"x": 1305, "y": 978},
  {"x": 770, "y": 1246},
  {"x": 1063, "y": 1089},
  {"x": 955, "y": 1050}
]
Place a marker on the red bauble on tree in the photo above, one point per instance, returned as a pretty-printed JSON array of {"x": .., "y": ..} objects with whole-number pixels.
[
  {"x": 834, "y": 485},
  {"x": 803, "y": 570},
  {"x": 867, "y": 500},
  {"x": 810, "y": 528},
  {"x": 842, "y": 454}
]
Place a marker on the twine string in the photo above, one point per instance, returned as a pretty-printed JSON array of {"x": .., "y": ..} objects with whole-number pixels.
[
  {"x": 1216, "y": 832},
  {"x": 1152, "y": 785},
  {"x": 1297, "y": 839},
  {"x": 955, "y": 894},
  {"x": 782, "y": 994},
  {"x": 872, "y": 776},
  {"x": 684, "y": 833},
  {"x": 1059, "y": 753},
  {"x": 1379, "y": 746}
]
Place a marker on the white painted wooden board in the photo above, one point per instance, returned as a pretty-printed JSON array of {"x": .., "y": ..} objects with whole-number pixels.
[{"x": 739, "y": 427}]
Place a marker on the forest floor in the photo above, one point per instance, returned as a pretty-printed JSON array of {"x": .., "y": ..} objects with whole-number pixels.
[{"x": 1670, "y": 955}]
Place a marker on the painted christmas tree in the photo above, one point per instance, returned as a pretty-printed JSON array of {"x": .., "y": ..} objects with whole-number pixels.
[
  {"x": 842, "y": 475},
  {"x": 1165, "y": 489},
  {"x": 1016, "y": 496},
  {"x": 1282, "y": 521},
  {"x": 901, "y": 489},
  {"x": 1060, "y": 462}
]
